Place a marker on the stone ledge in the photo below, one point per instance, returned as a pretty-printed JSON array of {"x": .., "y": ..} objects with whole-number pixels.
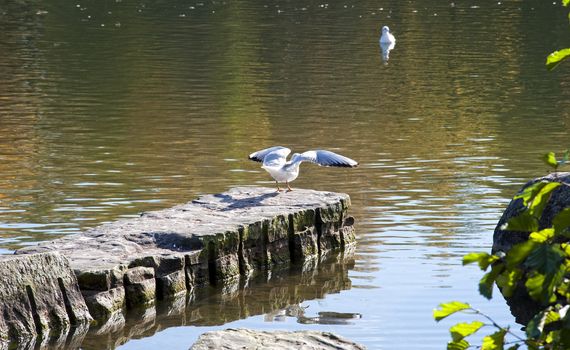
[{"x": 214, "y": 239}]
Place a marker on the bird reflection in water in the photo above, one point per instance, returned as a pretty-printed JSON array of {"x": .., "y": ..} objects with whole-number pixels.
[
  {"x": 385, "y": 49},
  {"x": 323, "y": 317}
]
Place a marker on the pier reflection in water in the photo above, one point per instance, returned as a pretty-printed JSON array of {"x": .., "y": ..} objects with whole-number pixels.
[{"x": 275, "y": 294}]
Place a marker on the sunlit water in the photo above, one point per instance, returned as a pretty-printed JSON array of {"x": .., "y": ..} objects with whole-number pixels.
[{"x": 111, "y": 108}]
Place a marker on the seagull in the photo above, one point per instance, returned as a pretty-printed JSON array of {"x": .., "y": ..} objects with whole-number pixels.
[
  {"x": 387, "y": 37},
  {"x": 275, "y": 162}
]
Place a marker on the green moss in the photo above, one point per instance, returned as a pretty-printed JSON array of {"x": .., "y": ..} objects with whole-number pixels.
[
  {"x": 227, "y": 270},
  {"x": 278, "y": 229},
  {"x": 252, "y": 232},
  {"x": 303, "y": 219},
  {"x": 332, "y": 213}
]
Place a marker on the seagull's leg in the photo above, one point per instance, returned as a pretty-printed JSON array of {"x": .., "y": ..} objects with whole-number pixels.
[
  {"x": 278, "y": 189},
  {"x": 289, "y": 189}
]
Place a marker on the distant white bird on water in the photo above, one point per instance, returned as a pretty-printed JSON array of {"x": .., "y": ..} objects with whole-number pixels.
[
  {"x": 275, "y": 162},
  {"x": 387, "y": 37}
]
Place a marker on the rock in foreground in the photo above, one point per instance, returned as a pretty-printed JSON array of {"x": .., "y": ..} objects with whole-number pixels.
[
  {"x": 503, "y": 240},
  {"x": 523, "y": 307},
  {"x": 278, "y": 340}
]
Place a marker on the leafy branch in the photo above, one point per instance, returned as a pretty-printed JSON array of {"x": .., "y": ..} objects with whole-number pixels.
[
  {"x": 556, "y": 57},
  {"x": 540, "y": 265},
  {"x": 462, "y": 330},
  {"x": 550, "y": 158}
]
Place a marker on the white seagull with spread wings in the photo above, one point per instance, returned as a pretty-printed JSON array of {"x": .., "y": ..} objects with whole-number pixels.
[{"x": 275, "y": 162}]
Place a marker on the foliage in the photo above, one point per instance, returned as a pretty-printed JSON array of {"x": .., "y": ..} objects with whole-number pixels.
[
  {"x": 540, "y": 265},
  {"x": 556, "y": 57},
  {"x": 550, "y": 157}
]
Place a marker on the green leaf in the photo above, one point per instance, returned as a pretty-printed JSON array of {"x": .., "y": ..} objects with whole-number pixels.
[
  {"x": 514, "y": 347},
  {"x": 507, "y": 281},
  {"x": 566, "y": 248},
  {"x": 494, "y": 341},
  {"x": 536, "y": 196},
  {"x": 541, "y": 287},
  {"x": 519, "y": 252},
  {"x": 458, "y": 345},
  {"x": 450, "y": 308},
  {"x": 536, "y": 287},
  {"x": 555, "y": 58},
  {"x": 565, "y": 2},
  {"x": 527, "y": 194},
  {"x": 550, "y": 159},
  {"x": 542, "y": 235},
  {"x": 563, "y": 289},
  {"x": 545, "y": 258},
  {"x": 535, "y": 327},
  {"x": 486, "y": 283},
  {"x": 561, "y": 221},
  {"x": 541, "y": 199},
  {"x": 483, "y": 259},
  {"x": 524, "y": 222},
  {"x": 462, "y": 330},
  {"x": 565, "y": 338}
]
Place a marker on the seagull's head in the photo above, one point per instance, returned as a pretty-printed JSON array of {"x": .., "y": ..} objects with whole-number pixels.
[{"x": 385, "y": 29}]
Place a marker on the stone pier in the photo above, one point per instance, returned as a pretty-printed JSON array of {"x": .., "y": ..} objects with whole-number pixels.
[{"x": 131, "y": 263}]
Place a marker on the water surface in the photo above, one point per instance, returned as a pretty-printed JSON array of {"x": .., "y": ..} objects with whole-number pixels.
[{"x": 111, "y": 108}]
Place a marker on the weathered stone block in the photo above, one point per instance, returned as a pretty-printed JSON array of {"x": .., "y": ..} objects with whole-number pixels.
[
  {"x": 171, "y": 285},
  {"x": 301, "y": 220},
  {"x": 253, "y": 251},
  {"x": 196, "y": 268},
  {"x": 224, "y": 267},
  {"x": 329, "y": 236},
  {"x": 102, "y": 305},
  {"x": 333, "y": 212},
  {"x": 277, "y": 243},
  {"x": 101, "y": 279},
  {"x": 39, "y": 295},
  {"x": 140, "y": 286},
  {"x": 347, "y": 233},
  {"x": 278, "y": 229},
  {"x": 169, "y": 273},
  {"x": 304, "y": 245}
]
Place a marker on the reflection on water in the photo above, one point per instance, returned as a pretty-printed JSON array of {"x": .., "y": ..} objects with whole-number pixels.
[
  {"x": 108, "y": 109},
  {"x": 278, "y": 295},
  {"x": 385, "y": 49}
]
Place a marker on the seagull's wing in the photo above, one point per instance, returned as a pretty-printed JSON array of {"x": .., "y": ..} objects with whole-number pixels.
[
  {"x": 271, "y": 156},
  {"x": 326, "y": 158}
]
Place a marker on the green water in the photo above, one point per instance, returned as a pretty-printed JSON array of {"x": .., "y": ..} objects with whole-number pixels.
[{"x": 111, "y": 108}]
